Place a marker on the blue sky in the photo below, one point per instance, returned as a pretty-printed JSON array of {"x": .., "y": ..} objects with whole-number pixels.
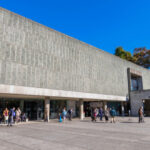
[{"x": 105, "y": 24}]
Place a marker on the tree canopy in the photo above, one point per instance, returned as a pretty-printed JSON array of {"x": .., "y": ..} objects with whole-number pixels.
[{"x": 141, "y": 56}]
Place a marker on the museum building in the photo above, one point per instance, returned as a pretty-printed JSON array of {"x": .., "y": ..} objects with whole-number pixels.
[{"x": 42, "y": 71}]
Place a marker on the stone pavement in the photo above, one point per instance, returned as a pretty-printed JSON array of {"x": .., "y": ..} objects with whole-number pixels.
[{"x": 126, "y": 134}]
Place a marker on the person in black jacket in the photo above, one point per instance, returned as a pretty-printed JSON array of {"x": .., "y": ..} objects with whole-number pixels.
[{"x": 70, "y": 114}]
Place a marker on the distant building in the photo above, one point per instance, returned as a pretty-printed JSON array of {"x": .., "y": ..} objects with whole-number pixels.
[{"x": 42, "y": 71}]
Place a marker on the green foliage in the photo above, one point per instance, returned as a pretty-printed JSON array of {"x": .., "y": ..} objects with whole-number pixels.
[
  {"x": 123, "y": 54},
  {"x": 141, "y": 56}
]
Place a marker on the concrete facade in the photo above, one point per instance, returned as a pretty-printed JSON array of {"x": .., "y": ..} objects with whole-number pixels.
[
  {"x": 32, "y": 55},
  {"x": 137, "y": 98},
  {"x": 39, "y": 62}
]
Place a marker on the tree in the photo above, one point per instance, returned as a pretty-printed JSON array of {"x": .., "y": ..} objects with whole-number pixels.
[
  {"x": 120, "y": 52},
  {"x": 141, "y": 56}
]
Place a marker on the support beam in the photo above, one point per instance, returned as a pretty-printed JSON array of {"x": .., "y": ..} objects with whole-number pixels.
[
  {"x": 81, "y": 109},
  {"x": 47, "y": 109}
]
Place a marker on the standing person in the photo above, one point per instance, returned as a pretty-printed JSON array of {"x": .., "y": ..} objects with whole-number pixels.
[
  {"x": 18, "y": 114},
  {"x": 5, "y": 114},
  {"x": 107, "y": 114},
  {"x": 14, "y": 115},
  {"x": 70, "y": 114},
  {"x": 64, "y": 113},
  {"x": 140, "y": 113},
  {"x": 113, "y": 114},
  {"x": 23, "y": 117},
  {"x": 101, "y": 113},
  {"x": 97, "y": 112},
  {"x": 10, "y": 119}
]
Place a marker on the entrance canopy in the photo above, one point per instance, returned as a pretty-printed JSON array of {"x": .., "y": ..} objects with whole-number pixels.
[{"x": 41, "y": 92}]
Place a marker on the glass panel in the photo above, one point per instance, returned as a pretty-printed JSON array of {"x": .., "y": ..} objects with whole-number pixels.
[{"x": 134, "y": 84}]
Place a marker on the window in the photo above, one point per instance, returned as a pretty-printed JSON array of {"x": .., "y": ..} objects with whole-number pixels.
[{"x": 134, "y": 84}]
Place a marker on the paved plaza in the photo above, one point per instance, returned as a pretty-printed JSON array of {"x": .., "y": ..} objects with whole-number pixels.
[{"x": 126, "y": 134}]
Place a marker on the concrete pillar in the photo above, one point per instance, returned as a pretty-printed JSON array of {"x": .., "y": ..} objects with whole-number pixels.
[
  {"x": 122, "y": 108},
  {"x": 21, "y": 105},
  {"x": 104, "y": 105},
  {"x": 47, "y": 109},
  {"x": 81, "y": 109}
]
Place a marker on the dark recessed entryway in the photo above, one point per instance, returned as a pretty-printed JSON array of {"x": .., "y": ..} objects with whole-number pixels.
[{"x": 147, "y": 107}]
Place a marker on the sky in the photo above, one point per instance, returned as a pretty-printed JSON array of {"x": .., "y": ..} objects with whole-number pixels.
[{"x": 105, "y": 24}]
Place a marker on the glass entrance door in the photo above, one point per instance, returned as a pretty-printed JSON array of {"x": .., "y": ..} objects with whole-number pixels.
[
  {"x": 40, "y": 110},
  {"x": 34, "y": 110},
  {"x": 30, "y": 109}
]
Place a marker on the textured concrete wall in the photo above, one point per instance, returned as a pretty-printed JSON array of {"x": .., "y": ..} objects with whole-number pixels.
[
  {"x": 136, "y": 100},
  {"x": 33, "y": 55}
]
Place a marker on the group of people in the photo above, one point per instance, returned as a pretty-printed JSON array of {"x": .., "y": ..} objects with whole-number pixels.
[
  {"x": 10, "y": 116},
  {"x": 95, "y": 113},
  {"x": 65, "y": 114}
]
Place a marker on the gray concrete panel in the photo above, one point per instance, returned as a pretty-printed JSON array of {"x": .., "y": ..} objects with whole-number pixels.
[{"x": 33, "y": 55}]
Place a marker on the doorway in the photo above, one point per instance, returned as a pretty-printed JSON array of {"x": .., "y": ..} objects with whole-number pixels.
[
  {"x": 147, "y": 107},
  {"x": 34, "y": 110}
]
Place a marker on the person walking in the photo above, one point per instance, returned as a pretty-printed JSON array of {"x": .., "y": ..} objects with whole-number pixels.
[
  {"x": 70, "y": 114},
  {"x": 107, "y": 115},
  {"x": 140, "y": 113},
  {"x": 6, "y": 115},
  {"x": 101, "y": 113},
  {"x": 18, "y": 114},
  {"x": 10, "y": 118},
  {"x": 64, "y": 113},
  {"x": 14, "y": 115},
  {"x": 113, "y": 114},
  {"x": 23, "y": 117},
  {"x": 97, "y": 112}
]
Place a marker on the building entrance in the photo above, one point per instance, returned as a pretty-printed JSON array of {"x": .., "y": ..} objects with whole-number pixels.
[
  {"x": 147, "y": 107},
  {"x": 34, "y": 110}
]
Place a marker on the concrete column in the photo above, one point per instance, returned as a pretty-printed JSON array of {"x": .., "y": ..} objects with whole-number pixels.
[
  {"x": 21, "y": 105},
  {"x": 104, "y": 105},
  {"x": 47, "y": 109},
  {"x": 122, "y": 108},
  {"x": 81, "y": 109}
]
